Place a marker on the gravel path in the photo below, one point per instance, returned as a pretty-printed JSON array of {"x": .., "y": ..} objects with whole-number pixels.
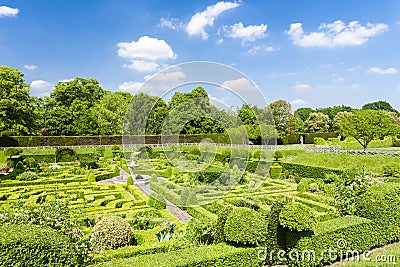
[{"x": 182, "y": 215}]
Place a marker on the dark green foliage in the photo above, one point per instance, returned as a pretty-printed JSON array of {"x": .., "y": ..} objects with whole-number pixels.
[
  {"x": 12, "y": 151},
  {"x": 296, "y": 216},
  {"x": 223, "y": 214},
  {"x": 30, "y": 245},
  {"x": 18, "y": 169},
  {"x": 66, "y": 155},
  {"x": 89, "y": 164},
  {"x": 200, "y": 232},
  {"x": 275, "y": 235},
  {"x": 275, "y": 171},
  {"x": 278, "y": 155},
  {"x": 116, "y": 171},
  {"x": 206, "y": 176},
  {"x": 184, "y": 197},
  {"x": 156, "y": 201},
  {"x": 245, "y": 226}
]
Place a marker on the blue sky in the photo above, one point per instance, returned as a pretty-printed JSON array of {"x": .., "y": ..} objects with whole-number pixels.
[{"x": 310, "y": 53}]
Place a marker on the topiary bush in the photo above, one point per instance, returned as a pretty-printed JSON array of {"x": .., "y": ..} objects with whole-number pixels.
[
  {"x": 245, "y": 226},
  {"x": 275, "y": 171},
  {"x": 31, "y": 245},
  {"x": 302, "y": 186},
  {"x": 319, "y": 141},
  {"x": 391, "y": 169},
  {"x": 157, "y": 201},
  {"x": 200, "y": 232},
  {"x": 129, "y": 181},
  {"x": 278, "y": 155},
  {"x": 296, "y": 216},
  {"x": 111, "y": 232}
]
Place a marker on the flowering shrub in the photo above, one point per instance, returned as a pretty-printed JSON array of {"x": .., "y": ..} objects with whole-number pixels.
[{"x": 167, "y": 233}]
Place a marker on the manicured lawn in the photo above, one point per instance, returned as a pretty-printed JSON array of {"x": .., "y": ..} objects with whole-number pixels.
[{"x": 343, "y": 161}]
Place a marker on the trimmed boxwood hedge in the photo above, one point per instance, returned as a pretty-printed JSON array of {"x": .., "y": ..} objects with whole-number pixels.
[
  {"x": 219, "y": 255},
  {"x": 306, "y": 171},
  {"x": 32, "y": 141},
  {"x": 30, "y": 245},
  {"x": 245, "y": 226},
  {"x": 157, "y": 201}
]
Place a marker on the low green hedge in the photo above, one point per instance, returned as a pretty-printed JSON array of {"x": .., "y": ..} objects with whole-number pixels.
[
  {"x": 219, "y": 255},
  {"x": 29, "y": 245},
  {"x": 156, "y": 201},
  {"x": 306, "y": 171},
  {"x": 339, "y": 235}
]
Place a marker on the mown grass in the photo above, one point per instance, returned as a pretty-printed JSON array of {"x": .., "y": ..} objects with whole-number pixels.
[
  {"x": 3, "y": 158},
  {"x": 343, "y": 161}
]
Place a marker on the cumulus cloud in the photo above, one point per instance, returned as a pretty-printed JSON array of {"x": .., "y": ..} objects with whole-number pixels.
[
  {"x": 299, "y": 102},
  {"x": 249, "y": 33},
  {"x": 172, "y": 23},
  {"x": 6, "y": 11},
  {"x": 146, "y": 48},
  {"x": 335, "y": 34},
  {"x": 205, "y": 18},
  {"x": 241, "y": 84},
  {"x": 40, "y": 85},
  {"x": 30, "y": 67},
  {"x": 301, "y": 87},
  {"x": 130, "y": 86},
  {"x": 142, "y": 65},
  {"x": 383, "y": 71},
  {"x": 246, "y": 90}
]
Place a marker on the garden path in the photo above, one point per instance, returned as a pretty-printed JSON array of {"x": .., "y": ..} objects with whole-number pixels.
[{"x": 182, "y": 215}]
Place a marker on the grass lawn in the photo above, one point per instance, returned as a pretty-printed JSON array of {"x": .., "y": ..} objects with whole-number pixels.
[
  {"x": 2, "y": 157},
  {"x": 342, "y": 161},
  {"x": 385, "y": 256}
]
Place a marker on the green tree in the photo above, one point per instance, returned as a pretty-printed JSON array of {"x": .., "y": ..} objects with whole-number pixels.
[
  {"x": 18, "y": 110},
  {"x": 247, "y": 115},
  {"x": 145, "y": 115},
  {"x": 332, "y": 111},
  {"x": 110, "y": 112},
  {"x": 317, "y": 122},
  {"x": 66, "y": 109},
  {"x": 366, "y": 125},
  {"x": 379, "y": 105},
  {"x": 338, "y": 118},
  {"x": 281, "y": 112},
  {"x": 303, "y": 113},
  {"x": 294, "y": 125}
]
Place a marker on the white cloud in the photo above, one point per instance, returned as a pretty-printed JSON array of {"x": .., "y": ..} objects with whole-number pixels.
[
  {"x": 30, "y": 67},
  {"x": 383, "y": 71},
  {"x": 6, "y": 11},
  {"x": 249, "y": 33},
  {"x": 164, "y": 81},
  {"x": 301, "y": 87},
  {"x": 142, "y": 65},
  {"x": 205, "y": 18},
  {"x": 130, "y": 86},
  {"x": 242, "y": 85},
  {"x": 257, "y": 48},
  {"x": 299, "y": 102},
  {"x": 66, "y": 80},
  {"x": 337, "y": 77},
  {"x": 220, "y": 41},
  {"x": 173, "y": 23},
  {"x": 40, "y": 85},
  {"x": 146, "y": 48},
  {"x": 335, "y": 34}
]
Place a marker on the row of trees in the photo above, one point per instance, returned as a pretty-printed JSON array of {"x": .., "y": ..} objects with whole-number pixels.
[{"x": 83, "y": 107}]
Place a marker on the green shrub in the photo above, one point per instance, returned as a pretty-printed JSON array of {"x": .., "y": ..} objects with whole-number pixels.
[
  {"x": 111, "y": 232},
  {"x": 157, "y": 201},
  {"x": 89, "y": 164},
  {"x": 12, "y": 151},
  {"x": 302, "y": 186},
  {"x": 307, "y": 171},
  {"x": 27, "y": 176},
  {"x": 30, "y": 245},
  {"x": 296, "y": 216},
  {"x": 116, "y": 171},
  {"x": 90, "y": 177},
  {"x": 319, "y": 141},
  {"x": 245, "y": 226},
  {"x": 275, "y": 171},
  {"x": 391, "y": 169},
  {"x": 192, "y": 199},
  {"x": 223, "y": 214},
  {"x": 313, "y": 187},
  {"x": 184, "y": 197},
  {"x": 278, "y": 155},
  {"x": 129, "y": 181},
  {"x": 200, "y": 232}
]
